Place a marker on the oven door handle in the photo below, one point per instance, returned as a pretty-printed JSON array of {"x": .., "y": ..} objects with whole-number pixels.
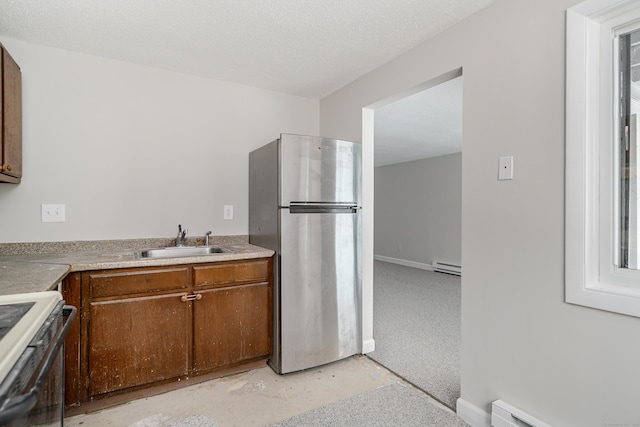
[{"x": 19, "y": 405}]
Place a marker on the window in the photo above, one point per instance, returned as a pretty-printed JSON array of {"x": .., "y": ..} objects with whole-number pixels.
[
  {"x": 602, "y": 230},
  {"x": 628, "y": 99}
]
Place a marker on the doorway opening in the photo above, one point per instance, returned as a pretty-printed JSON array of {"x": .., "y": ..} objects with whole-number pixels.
[{"x": 417, "y": 208}]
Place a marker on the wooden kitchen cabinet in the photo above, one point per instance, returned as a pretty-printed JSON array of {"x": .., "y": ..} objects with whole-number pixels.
[
  {"x": 137, "y": 341},
  {"x": 137, "y": 333},
  {"x": 232, "y": 320},
  {"x": 10, "y": 119},
  {"x": 145, "y": 326}
]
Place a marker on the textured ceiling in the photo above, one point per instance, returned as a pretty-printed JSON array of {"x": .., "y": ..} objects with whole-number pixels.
[
  {"x": 302, "y": 47},
  {"x": 426, "y": 124}
]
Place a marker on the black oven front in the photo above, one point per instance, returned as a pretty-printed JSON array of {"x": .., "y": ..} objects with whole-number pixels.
[{"x": 32, "y": 391}]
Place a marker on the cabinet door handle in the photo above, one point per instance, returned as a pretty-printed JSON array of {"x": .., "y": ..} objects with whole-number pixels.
[
  {"x": 5, "y": 168},
  {"x": 192, "y": 297}
]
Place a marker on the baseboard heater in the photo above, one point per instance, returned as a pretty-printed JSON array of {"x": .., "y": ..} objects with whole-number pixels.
[
  {"x": 443, "y": 267},
  {"x": 505, "y": 415}
]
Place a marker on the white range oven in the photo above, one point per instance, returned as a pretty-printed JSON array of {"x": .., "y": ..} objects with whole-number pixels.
[{"x": 32, "y": 331}]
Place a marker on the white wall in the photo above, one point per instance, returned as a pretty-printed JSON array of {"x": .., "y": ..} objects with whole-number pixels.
[
  {"x": 133, "y": 151},
  {"x": 418, "y": 213},
  {"x": 565, "y": 364}
]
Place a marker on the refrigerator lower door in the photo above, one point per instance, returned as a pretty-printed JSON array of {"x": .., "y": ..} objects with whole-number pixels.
[{"x": 319, "y": 289}]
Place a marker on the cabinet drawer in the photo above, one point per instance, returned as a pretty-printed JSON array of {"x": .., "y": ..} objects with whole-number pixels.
[
  {"x": 241, "y": 272},
  {"x": 128, "y": 282}
]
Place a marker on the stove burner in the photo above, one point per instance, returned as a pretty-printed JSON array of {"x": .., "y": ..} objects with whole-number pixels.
[{"x": 10, "y": 314}]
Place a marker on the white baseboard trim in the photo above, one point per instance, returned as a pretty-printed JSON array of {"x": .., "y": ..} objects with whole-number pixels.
[
  {"x": 472, "y": 414},
  {"x": 404, "y": 262},
  {"x": 368, "y": 346}
]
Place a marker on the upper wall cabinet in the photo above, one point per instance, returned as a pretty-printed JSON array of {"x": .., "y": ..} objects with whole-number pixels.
[{"x": 10, "y": 119}]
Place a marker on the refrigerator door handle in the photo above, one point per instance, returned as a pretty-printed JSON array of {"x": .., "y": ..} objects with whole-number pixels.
[{"x": 337, "y": 209}]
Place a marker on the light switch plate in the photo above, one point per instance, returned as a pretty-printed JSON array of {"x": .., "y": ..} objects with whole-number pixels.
[
  {"x": 505, "y": 165},
  {"x": 228, "y": 212},
  {"x": 53, "y": 213}
]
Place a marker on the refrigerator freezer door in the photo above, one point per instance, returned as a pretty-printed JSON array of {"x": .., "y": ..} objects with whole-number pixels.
[
  {"x": 314, "y": 169},
  {"x": 319, "y": 288}
]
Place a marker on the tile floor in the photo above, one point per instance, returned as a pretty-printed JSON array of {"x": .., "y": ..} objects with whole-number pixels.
[{"x": 255, "y": 398}]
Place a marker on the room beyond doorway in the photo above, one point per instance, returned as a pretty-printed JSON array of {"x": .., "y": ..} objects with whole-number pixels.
[{"x": 418, "y": 217}]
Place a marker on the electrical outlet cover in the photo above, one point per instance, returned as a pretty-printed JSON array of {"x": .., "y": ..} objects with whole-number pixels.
[
  {"x": 53, "y": 213},
  {"x": 228, "y": 212}
]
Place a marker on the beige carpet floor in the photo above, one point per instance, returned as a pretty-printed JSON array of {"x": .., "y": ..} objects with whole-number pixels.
[{"x": 416, "y": 326}]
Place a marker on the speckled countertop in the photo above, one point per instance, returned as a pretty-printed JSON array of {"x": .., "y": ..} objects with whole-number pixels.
[
  {"x": 18, "y": 277},
  {"x": 36, "y": 267}
]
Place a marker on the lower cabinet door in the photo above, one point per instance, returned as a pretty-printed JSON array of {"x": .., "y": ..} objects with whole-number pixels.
[
  {"x": 136, "y": 341},
  {"x": 231, "y": 324}
]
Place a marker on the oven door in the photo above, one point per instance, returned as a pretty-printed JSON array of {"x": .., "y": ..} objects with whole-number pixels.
[{"x": 34, "y": 389}]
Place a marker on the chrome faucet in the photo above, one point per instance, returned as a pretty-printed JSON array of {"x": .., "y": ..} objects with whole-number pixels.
[
  {"x": 181, "y": 235},
  {"x": 206, "y": 238}
]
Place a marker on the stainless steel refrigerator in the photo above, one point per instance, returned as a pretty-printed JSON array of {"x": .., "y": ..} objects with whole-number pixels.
[{"x": 304, "y": 203}]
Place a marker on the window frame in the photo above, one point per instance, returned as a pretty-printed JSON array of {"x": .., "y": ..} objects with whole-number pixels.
[{"x": 591, "y": 278}]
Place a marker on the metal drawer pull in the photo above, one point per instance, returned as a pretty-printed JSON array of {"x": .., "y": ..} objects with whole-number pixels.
[{"x": 192, "y": 297}]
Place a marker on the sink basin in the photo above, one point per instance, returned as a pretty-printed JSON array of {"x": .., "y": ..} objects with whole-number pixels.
[{"x": 182, "y": 251}]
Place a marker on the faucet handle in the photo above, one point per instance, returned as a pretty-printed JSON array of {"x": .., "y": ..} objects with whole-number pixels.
[{"x": 206, "y": 238}]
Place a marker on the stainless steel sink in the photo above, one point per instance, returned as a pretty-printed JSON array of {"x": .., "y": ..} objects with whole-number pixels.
[{"x": 181, "y": 251}]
